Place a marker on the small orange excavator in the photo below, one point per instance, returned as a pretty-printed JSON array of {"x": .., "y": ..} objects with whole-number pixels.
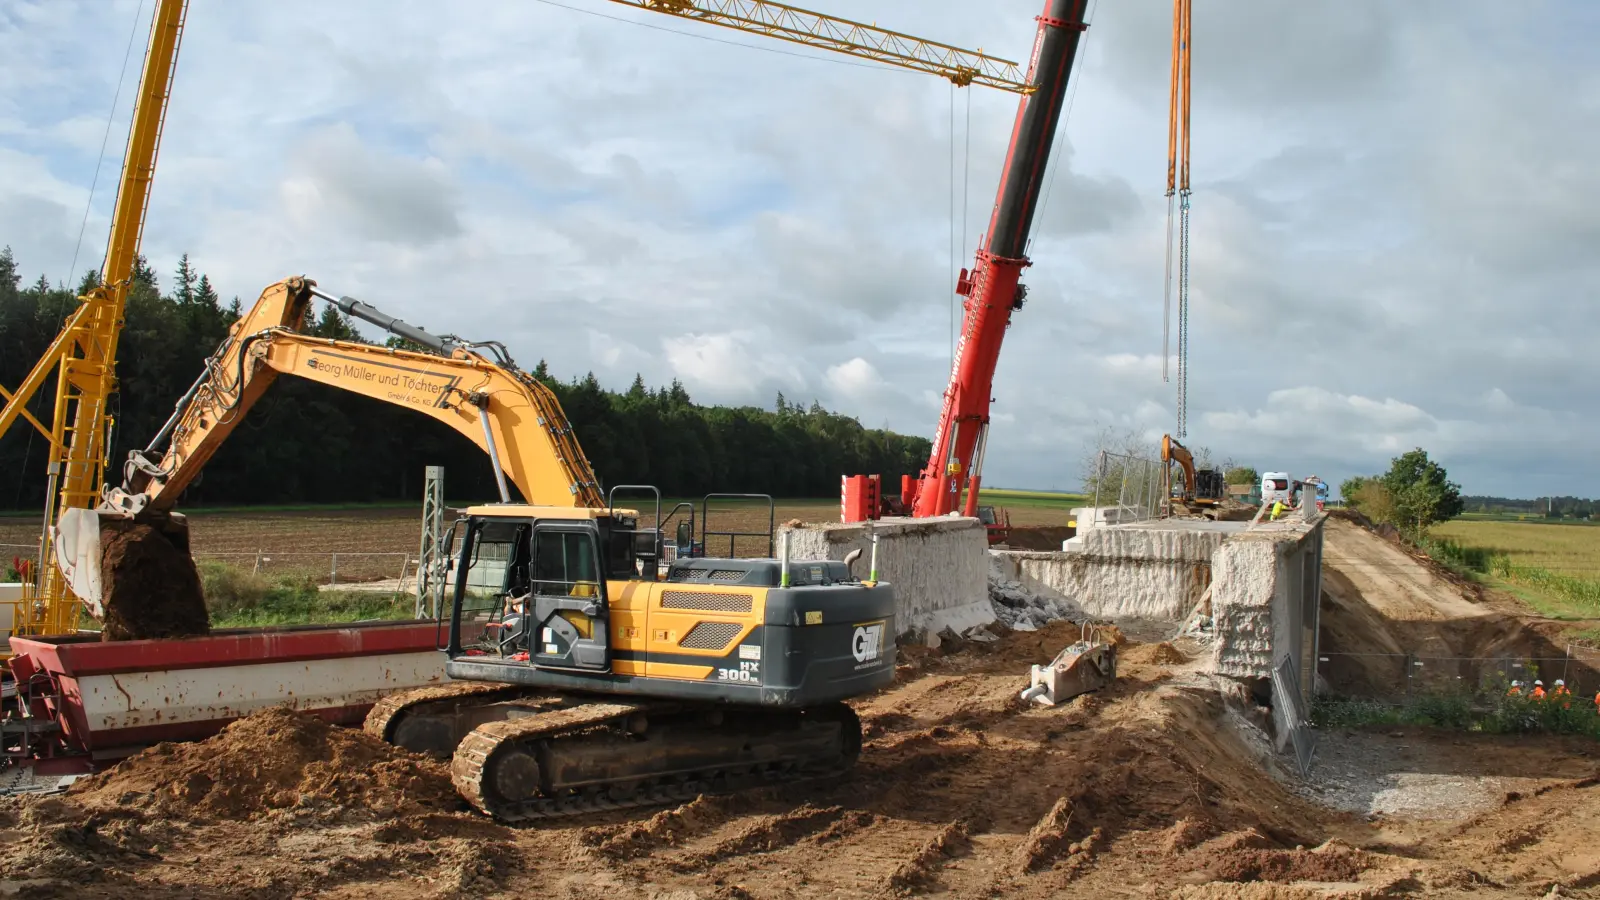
[{"x": 1201, "y": 487}]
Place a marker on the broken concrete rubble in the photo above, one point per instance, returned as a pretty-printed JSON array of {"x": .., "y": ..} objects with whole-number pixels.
[{"x": 1021, "y": 609}]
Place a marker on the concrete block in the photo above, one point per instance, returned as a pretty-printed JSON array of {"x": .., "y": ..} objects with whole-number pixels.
[
  {"x": 1244, "y": 579},
  {"x": 1256, "y": 576},
  {"x": 1149, "y": 571},
  {"x": 939, "y": 567}
]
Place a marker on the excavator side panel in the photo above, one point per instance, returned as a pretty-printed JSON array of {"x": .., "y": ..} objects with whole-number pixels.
[
  {"x": 801, "y": 647},
  {"x": 629, "y": 613},
  {"x": 697, "y": 631}
]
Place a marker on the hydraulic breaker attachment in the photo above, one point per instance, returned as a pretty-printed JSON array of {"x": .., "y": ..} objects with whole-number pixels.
[{"x": 1088, "y": 665}]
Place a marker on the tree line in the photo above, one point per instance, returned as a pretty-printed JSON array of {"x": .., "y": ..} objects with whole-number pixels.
[
  {"x": 306, "y": 443},
  {"x": 1546, "y": 507}
]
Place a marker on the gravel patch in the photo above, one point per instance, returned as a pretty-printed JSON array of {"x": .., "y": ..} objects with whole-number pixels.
[{"x": 1377, "y": 774}]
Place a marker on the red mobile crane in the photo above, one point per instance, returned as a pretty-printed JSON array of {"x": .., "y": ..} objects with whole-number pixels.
[{"x": 992, "y": 290}]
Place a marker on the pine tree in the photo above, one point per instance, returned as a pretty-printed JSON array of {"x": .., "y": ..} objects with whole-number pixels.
[
  {"x": 206, "y": 294},
  {"x": 9, "y": 279},
  {"x": 636, "y": 391},
  {"x": 183, "y": 288},
  {"x": 143, "y": 274}
]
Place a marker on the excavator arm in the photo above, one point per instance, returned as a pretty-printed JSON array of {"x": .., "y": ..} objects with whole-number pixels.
[
  {"x": 1174, "y": 452},
  {"x": 128, "y": 559},
  {"x": 514, "y": 418}
]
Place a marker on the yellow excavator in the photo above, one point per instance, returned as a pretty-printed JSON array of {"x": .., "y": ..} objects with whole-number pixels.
[{"x": 588, "y": 673}]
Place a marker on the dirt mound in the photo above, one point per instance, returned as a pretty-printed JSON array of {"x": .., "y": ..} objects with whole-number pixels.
[
  {"x": 1389, "y": 533},
  {"x": 1161, "y": 653},
  {"x": 272, "y": 760},
  {"x": 1039, "y": 537},
  {"x": 149, "y": 584},
  {"x": 1331, "y": 862}
]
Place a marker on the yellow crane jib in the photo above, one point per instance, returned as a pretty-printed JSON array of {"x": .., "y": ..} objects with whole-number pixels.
[{"x": 814, "y": 29}]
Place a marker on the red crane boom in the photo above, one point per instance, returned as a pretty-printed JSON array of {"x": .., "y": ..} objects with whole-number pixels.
[{"x": 992, "y": 290}]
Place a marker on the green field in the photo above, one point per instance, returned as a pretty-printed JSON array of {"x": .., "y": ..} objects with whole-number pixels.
[
  {"x": 1553, "y": 568},
  {"x": 1033, "y": 507},
  {"x": 1565, "y": 549}
]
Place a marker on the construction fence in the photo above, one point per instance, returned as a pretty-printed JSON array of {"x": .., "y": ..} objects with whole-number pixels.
[
  {"x": 1399, "y": 678},
  {"x": 1131, "y": 484}
]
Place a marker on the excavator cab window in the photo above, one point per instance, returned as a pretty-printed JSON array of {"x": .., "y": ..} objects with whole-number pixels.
[
  {"x": 565, "y": 622},
  {"x": 496, "y": 568}
]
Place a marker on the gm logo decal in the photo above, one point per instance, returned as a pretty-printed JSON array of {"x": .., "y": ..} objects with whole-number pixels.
[{"x": 867, "y": 643}]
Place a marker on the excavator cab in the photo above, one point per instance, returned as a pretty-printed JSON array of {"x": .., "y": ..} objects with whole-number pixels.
[{"x": 534, "y": 590}]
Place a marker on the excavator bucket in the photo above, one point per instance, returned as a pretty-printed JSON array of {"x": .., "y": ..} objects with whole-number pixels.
[
  {"x": 134, "y": 574},
  {"x": 1086, "y": 666}
]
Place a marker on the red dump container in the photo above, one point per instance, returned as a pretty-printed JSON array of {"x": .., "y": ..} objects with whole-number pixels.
[{"x": 80, "y": 701}]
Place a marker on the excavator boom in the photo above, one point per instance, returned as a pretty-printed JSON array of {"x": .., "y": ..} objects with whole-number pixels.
[
  {"x": 514, "y": 418},
  {"x": 113, "y": 555}
]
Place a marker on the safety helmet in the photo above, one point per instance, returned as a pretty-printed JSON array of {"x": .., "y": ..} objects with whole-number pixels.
[
  {"x": 1538, "y": 682},
  {"x": 1516, "y": 684},
  {"x": 1560, "y": 683}
]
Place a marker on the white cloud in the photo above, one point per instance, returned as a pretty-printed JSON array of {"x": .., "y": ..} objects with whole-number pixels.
[
  {"x": 1391, "y": 235},
  {"x": 729, "y": 367},
  {"x": 855, "y": 379}
]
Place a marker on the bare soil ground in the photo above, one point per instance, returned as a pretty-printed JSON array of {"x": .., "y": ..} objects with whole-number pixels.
[
  {"x": 396, "y": 529},
  {"x": 1154, "y": 788}
]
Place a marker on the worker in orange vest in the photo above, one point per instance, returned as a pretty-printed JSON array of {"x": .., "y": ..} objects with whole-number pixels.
[
  {"x": 1516, "y": 691},
  {"x": 1538, "y": 690},
  {"x": 1561, "y": 693}
]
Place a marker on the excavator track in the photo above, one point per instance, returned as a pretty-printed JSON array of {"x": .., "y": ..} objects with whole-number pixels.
[
  {"x": 501, "y": 755},
  {"x": 381, "y": 718}
]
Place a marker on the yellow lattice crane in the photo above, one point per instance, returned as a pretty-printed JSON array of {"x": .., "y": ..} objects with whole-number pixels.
[
  {"x": 83, "y": 356},
  {"x": 814, "y": 29}
]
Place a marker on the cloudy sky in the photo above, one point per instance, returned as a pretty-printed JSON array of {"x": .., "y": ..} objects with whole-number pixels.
[{"x": 1395, "y": 225}]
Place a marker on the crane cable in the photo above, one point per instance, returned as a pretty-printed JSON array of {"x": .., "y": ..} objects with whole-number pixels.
[
  {"x": 88, "y": 204},
  {"x": 1178, "y": 194}
]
